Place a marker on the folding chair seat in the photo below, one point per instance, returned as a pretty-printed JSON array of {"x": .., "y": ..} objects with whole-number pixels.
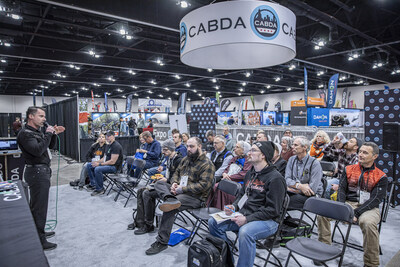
[
  {"x": 112, "y": 177},
  {"x": 128, "y": 184},
  {"x": 203, "y": 214},
  {"x": 328, "y": 168},
  {"x": 314, "y": 249},
  {"x": 383, "y": 214}
]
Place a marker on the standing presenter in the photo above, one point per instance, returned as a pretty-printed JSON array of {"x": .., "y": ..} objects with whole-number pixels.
[{"x": 35, "y": 141}]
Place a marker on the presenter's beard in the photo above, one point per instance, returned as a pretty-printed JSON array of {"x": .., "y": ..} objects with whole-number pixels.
[{"x": 193, "y": 156}]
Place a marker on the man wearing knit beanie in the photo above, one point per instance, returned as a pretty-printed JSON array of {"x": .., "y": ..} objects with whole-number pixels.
[{"x": 259, "y": 202}]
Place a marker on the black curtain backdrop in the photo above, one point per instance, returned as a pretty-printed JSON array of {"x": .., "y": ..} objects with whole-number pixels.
[
  {"x": 3, "y": 124},
  {"x": 65, "y": 113},
  {"x": 383, "y": 106}
]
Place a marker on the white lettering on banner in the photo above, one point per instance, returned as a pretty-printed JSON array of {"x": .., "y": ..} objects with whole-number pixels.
[
  {"x": 225, "y": 24},
  {"x": 12, "y": 195},
  {"x": 320, "y": 117},
  {"x": 15, "y": 174},
  {"x": 291, "y": 32},
  {"x": 331, "y": 89}
]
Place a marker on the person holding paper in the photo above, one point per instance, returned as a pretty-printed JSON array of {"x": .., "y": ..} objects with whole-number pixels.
[
  {"x": 189, "y": 188},
  {"x": 260, "y": 202}
]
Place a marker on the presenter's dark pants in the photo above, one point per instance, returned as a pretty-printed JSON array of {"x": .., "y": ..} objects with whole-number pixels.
[
  {"x": 38, "y": 179},
  {"x": 168, "y": 218}
]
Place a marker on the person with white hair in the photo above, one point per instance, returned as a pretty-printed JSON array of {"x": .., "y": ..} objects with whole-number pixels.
[
  {"x": 278, "y": 161},
  {"x": 220, "y": 156},
  {"x": 237, "y": 168},
  {"x": 303, "y": 174}
]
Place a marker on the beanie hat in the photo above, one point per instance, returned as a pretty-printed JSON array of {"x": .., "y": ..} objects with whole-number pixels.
[
  {"x": 169, "y": 144},
  {"x": 267, "y": 148}
]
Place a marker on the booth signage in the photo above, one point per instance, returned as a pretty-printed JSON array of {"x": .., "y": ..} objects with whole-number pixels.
[
  {"x": 318, "y": 117},
  {"x": 144, "y": 102},
  {"x": 238, "y": 35}
]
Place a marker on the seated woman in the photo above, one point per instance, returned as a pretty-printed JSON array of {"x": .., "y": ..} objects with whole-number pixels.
[
  {"x": 236, "y": 170},
  {"x": 185, "y": 138},
  {"x": 318, "y": 143},
  {"x": 287, "y": 151},
  {"x": 96, "y": 151}
]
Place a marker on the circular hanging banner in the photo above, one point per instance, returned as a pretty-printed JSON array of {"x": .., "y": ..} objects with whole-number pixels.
[{"x": 238, "y": 35}]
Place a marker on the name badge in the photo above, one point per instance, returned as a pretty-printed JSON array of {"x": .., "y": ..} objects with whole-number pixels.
[
  {"x": 242, "y": 201},
  {"x": 48, "y": 151},
  {"x": 167, "y": 173},
  {"x": 364, "y": 196},
  {"x": 184, "y": 180}
]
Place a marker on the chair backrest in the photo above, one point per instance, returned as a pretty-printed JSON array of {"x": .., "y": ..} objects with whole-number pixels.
[
  {"x": 329, "y": 208},
  {"x": 327, "y": 166},
  {"x": 230, "y": 187}
]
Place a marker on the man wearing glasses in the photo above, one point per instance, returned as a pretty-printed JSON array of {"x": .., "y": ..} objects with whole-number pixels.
[
  {"x": 259, "y": 202},
  {"x": 221, "y": 156},
  {"x": 188, "y": 189}
]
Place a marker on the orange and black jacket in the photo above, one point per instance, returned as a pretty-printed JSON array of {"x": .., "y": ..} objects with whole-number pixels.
[{"x": 372, "y": 180}]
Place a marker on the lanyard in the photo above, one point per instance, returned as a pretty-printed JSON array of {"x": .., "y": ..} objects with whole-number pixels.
[
  {"x": 297, "y": 170},
  {"x": 361, "y": 181}
]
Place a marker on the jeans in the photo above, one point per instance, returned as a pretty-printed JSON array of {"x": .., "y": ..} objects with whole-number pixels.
[
  {"x": 153, "y": 171},
  {"x": 248, "y": 234},
  {"x": 38, "y": 179},
  {"x": 328, "y": 192},
  {"x": 168, "y": 218},
  {"x": 96, "y": 174},
  {"x": 148, "y": 165},
  {"x": 84, "y": 173}
]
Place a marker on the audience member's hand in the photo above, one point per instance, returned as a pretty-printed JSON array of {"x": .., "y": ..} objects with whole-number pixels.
[
  {"x": 239, "y": 220},
  {"x": 160, "y": 168},
  {"x": 293, "y": 190},
  {"x": 336, "y": 139},
  {"x": 306, "y": 190},
  {"x": 163, "y": 179},
  {"x": 225, "y": 176},
  {"x": 138, "y": 150},
  {"x": 95, "y": 164},
  {"x": 335, "y": 187},
  {"x": 173, "y": 188},
  {"x": 229, "y": 209},
  {"x": 355, "y": 219}
]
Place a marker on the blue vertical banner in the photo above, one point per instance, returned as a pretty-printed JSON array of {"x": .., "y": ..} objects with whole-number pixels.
[
  {"x": 42, "y": 97},
  {"x": 105, "y": 103},
  {"x": 332, "y": 89},
  {"x": 305, "y": 85},
  {"x": 34, "y": 99}
]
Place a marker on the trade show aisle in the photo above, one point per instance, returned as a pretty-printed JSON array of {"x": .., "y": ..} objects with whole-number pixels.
[{"x": 92, "y": 231}]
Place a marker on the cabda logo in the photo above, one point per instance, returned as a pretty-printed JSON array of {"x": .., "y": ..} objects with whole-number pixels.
[
  {"x": 183, "y": 36},
  {"x": 265, "y": 22}
]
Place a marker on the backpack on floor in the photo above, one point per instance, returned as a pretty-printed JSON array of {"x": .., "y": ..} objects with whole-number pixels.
[
  {"x": 289, "y": 227},
  {"x": 210, "y": 252}
]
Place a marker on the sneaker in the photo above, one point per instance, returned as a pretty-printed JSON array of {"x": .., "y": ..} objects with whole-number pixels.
[
  {"x": 48, "y": 246},
  {"x": 170, "y": 204},
  {"x": 131, "y": 226},
  {"x": 49, "y": 234},
  {"x": 90, "y": 188},
  {"x": 80, "y": 188},
  {"x": 74, "y": 183},
  {"x": 144, "y": 230},
  {"x": 95, "y": 192},
  {"x": 156, "y": 248}
]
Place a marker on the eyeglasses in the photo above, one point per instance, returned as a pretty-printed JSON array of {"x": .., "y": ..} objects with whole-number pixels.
[{"x": 253, "y": 150}]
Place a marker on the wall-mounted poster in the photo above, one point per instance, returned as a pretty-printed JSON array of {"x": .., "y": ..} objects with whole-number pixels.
[
  {"x": 346, "y": 117},
  {"x": 282, "y": 118},
  {"x": 104, "y": 122},
  {"x": 227, "y": 118},
  {"x": 268, "y": 117},
  {"x": 252, "y": 117},
  {"x": 298, "y": 115},
  {"x": 157, "y": 118},
  {"x": 318, "y": 117}
]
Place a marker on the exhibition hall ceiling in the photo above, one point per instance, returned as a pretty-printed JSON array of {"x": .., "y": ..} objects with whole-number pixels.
[{"x": 69, "y": 47}]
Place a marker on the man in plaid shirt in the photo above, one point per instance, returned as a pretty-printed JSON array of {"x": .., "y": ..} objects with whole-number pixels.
[
  {"x": 345, "y": 154},
  {"x": 188, "y": 189}
]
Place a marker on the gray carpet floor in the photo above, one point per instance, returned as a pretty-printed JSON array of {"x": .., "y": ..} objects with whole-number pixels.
[{"x": 91, "y": 231}]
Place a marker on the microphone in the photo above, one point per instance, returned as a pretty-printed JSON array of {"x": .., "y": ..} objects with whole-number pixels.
[{"x": 46, "y": 124}]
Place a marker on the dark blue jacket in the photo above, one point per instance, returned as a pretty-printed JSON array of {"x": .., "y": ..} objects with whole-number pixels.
[
  {"x": 181, "y": 149},
  {"x": 153, "y": 151}
]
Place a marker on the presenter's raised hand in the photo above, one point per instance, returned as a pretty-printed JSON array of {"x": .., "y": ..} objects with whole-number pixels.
[{"x": 59, "y": 129}]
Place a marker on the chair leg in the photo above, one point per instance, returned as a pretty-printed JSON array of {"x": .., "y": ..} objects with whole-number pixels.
[
  {"x": 195, "y": 228},
  {"x": 127, "y": 199}
]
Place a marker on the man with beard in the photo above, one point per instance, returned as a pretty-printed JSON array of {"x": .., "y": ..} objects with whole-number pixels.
[
  {"x": 188, "y": 189},
  {"x": 345, "y": 152},
  {"x": 259, "y": 202}
]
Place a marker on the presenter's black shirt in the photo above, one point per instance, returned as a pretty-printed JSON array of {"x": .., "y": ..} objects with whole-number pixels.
[
  {"x": 34, "y": 144},
  {"x": 115, "y": 148}
]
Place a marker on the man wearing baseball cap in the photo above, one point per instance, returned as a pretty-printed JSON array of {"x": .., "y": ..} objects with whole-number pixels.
[{"x": 260, "y": 203}]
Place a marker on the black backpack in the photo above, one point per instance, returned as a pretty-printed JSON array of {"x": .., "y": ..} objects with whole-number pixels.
[
  {"x": 210, "y": 252},
  {"x": 289, "y": 227}
]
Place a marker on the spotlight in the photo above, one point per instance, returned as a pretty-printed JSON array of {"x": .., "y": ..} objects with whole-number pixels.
[
  {"x": 277, "y": 79},
  {"x": 209, "y": 70},
  {"x": 301, "y": 82}
]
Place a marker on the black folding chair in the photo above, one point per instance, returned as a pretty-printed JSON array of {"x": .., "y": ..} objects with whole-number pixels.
[
  {"x": 383, "y": 214},
  {"x": 314, "y": 249},
  {"x": 328, "y": 168},
  {"x": 203, "y": 214},
  {"x": 112, "y": 177},
  {"x": 128, "y": 183}
]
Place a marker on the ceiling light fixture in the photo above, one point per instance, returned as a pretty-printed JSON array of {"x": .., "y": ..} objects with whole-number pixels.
[
  {"x": 153, "y": 82},
  {"x": 244, "y": 84},
  {"x": 216, "y": 87},
  {"x": 160, "y": 95},
  {"x": 320, "y": 85},
  {"x": 289, "y": 89},
  {"x": 214, "y": 80},
  {"x": 176, "y": 93},
  {"x": 183, "y": 4},
  {"x": 209, "y": 70},
  {"x": 177, "y": 77},
  {"x": 292, "y": 66},
  {"x": 262, "y": 91},
  {"x": 134, "y": 86},
  {"x": 195, "y": 90},
  {"x": 131, "y": 72},
  {"x": 239, "y": 93},
  {"x": 241, "y": 89},
  {"x": 268, "y": 86},
  {"x": 321, "y": 72},
  {"x": 301, "y": 82},
  {"x": 277, "y": 79},
  {"x": 247, "y": 74},
  {"x": 187, "y": 84}
]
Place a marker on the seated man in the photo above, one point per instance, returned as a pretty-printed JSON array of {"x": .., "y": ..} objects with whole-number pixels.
[
  {"x": 179, "y": 147},
  {"x": 151, "y": 151},
  {"x": 345, "y": 153},
  {"x": 221, "y": 156},
  {"x": 260, "y": 202},
  {"x": 189, "y": 188},
  {"x": 236, "y": 170},
  {"x": 363, "y": 186},
  {"x": 209, "y": 147},
  {"x": 303, "y": 174},
  {"x": 110, "y": 163},
  {"x": 228, "y": 139},
  {"x": 146, "y": 196},
  {"x": 262, "y": 136}
]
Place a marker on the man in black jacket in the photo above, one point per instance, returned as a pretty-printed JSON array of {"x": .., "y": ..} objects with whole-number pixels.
[
  {"x": 146, "y": 196},
  {"x": 259, "y": 202},
  {"x": 35, "y": 139}
]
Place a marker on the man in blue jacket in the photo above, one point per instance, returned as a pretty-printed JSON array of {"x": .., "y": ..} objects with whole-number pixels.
[
  {"x": 179, "y": 147},
  {"x": 151, "y": 151}
]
